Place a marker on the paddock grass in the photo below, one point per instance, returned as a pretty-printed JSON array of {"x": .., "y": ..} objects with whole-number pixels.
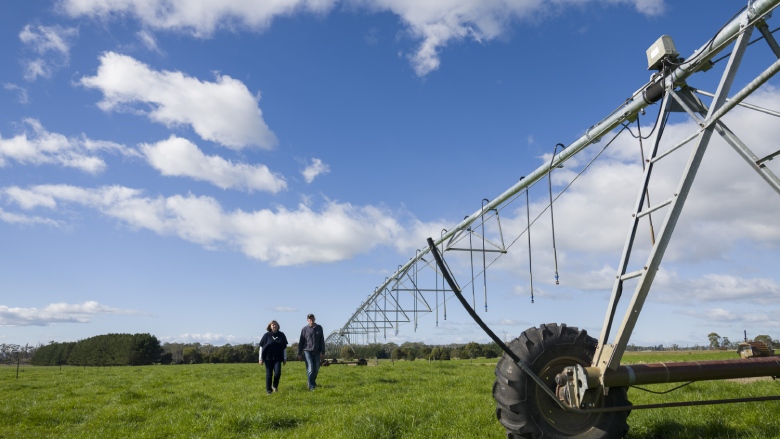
[{"x": 447, "y": 399}]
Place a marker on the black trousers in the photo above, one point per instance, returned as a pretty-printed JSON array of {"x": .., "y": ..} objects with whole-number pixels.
[{"x": 273, "y": 371}]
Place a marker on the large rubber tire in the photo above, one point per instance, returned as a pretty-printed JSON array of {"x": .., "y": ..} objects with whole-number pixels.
[{"x": 527, "y": 412}]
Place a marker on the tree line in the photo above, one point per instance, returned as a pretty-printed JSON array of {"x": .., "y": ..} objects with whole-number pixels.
[
  {"x": 718, "y": 342},
  {"x": 101, "y": 350},
  {"x": 144, "y": 349}
]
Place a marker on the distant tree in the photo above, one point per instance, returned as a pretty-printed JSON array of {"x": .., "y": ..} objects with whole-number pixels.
[
  {"x": 207, "y": 350},
  {"x": 192, "y": 355},
  {"x": 373, "y": 350},
  {"x": 225, "y": 354},
  {"x": 292, "y": 352},
  {"x": 145, "y": 350},
  {"x": 491, "y": 350},
  {"x": 244, "y": 353},
  {"x": 764, "y": 338},
  {"x": 409, "y": 350},
  {"x": 472, "y": 350},
  {"x": 726, "y": 344},
  {"x": 345, "y": 353},
  {"x": 166, "y": 358},
  {"x": 714, "y": 340},
  {"x": 388, "y": 348},
  {"x": 175, "y": 349}
]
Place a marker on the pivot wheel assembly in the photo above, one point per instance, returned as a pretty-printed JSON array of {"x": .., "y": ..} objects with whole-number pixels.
[{"x": 528, "y": 412}]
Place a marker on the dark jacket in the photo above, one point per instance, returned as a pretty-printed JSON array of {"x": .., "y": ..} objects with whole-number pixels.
[
  {"x": 312, "y": 339},
  {"x": 272, "y": 346}
]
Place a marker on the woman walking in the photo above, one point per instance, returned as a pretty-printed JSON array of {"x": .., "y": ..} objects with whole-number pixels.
[{"x": 273, "y": 354}]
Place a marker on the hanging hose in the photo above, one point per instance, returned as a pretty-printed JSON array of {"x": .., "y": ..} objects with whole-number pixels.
[
  {"x": 471, "y": 259},
  {"x": 443, "y": 280},
  {"x": 484, "y": 262},
  {"x": 416, "y": 314},
  {"x": 528, "y": 231},
  {"x": 552, "y": 217},
  {"x": 436, "y": 288}
]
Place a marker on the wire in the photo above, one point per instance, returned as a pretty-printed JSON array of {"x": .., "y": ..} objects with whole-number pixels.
[
  {"x": 708, "y": 44},
  {"x": 639, "y": 135},
  {"x": 756, "y": 40},
  {"x": 662, "y": 393}
]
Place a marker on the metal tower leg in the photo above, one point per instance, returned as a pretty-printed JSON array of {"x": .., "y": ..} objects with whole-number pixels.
[{"x": 608, "y": 356}]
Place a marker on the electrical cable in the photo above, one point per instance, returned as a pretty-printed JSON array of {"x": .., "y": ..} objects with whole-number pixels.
[
  {"x": 662, "y": 393},
  {"x": 756, "y": 40}
]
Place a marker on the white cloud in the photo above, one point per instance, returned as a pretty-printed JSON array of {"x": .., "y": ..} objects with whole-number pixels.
[
  {"x": 314, "y": 169},
  {"x": 15, "y": 218},
  {"x": 199, "y": 17},
  {"x": 41, "y": 147},
  {"x": 181, "y": 158},
  {"x": 435, "y": 23},
  {"x": 207, "y": 338},
  {"x": 223, "y": 111},
  {"x": 23, "y": 96},
  {"x": 147, "y": 39},
  {"x": 57, "y": 313},
  {"x": 51, "y": 41},
  {"x": 438, "y": 23},
  {"x": 719, "y": 287},
  {"x": 281, "y": 237},
  {"x": 751, "y": 318}
]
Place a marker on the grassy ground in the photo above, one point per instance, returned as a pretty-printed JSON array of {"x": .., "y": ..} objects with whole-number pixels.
[
  {"x": 449, "y": 399},
  {"x": 408, "y": 399}
]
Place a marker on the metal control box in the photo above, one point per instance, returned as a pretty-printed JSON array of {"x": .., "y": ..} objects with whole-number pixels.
[{"x": 661, "y": 49}]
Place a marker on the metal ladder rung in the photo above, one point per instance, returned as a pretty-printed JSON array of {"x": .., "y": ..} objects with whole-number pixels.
[
  {"x": 768, "y": 158},
  {"x": 632, "y": 275},
  {"x": 654, "y": 208}
]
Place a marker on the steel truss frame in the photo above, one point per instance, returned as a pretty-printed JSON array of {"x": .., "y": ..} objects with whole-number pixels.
[{"x": 400, "y": 299}]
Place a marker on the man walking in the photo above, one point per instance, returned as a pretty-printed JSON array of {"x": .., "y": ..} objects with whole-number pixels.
[{"x": 311, "y": 345}]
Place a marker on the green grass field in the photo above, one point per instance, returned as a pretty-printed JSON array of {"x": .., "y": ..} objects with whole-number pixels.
[{"x": 448, "y": 399}]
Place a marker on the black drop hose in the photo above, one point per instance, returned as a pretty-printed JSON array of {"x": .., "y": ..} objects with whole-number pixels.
[{"x": 446, "y": 275}]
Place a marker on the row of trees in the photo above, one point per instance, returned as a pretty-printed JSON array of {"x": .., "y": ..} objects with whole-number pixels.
[
  {"x": 194, "y": 353},
  {"x": 14, "y": 353},
  {"x": 141, "y": 349},
  {"x": 102, "y": 350},
  {"x": 718, "y": 342},
  {"x": 411, "y": 351}
]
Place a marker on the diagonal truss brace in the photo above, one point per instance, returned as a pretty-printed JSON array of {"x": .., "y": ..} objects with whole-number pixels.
[{"x": 608, "y": 355}]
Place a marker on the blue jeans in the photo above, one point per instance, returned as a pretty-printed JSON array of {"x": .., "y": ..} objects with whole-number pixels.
[
  {"x": 273, "y": 371},
  {"x": 312, "y": 367}
]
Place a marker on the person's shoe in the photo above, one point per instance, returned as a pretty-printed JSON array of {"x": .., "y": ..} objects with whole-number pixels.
[
  {"x": 274, "y": 389},
  {"x": 268, "y": 392}
]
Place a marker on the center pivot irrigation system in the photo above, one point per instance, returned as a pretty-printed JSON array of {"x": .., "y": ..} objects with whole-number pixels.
[{"x": 555, "y": 380}]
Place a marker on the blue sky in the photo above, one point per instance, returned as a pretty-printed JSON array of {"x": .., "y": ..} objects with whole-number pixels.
[{"x": 196, "y": 170}]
